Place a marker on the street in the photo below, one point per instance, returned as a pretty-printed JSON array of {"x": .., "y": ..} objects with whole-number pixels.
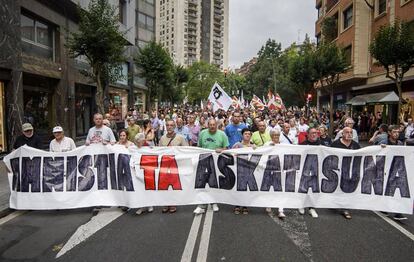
[{"x": 113, "y": 235}]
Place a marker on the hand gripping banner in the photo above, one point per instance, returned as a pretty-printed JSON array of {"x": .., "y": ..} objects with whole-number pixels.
[{"x": 289, "y": 176}]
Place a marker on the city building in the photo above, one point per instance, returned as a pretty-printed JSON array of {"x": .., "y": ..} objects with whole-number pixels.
[
  {"x": 194, "y": 30},
  {"x": 246, "y": 68},
  {"x": 356, "y": 25},
  {"x": 41, "y": 84}
]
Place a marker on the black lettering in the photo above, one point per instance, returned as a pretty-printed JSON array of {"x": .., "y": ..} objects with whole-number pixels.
[
  {"x": 310, "y": 177},
  {"x": 206, "y": 172},
  {"x": 124, "y": 173},
  {"x": 245, "y": 172},
  {"x": 71, "y": 173},
  {"x": 53, "y": 171},
  {"x": 272, "y": 174},
  {"x": 101, "y": 165},
  {"x": 349, "y": 182},
  {"x": 291, "y": 165},
  {"x": 373, "y": 175},
  {"x": 15, "y": 166},
  {"x": 87, "y": 177},
  {"x": 329, "y": 165},
  {"x": 30, "y": 174},
  {"x": 228, "y": 179},
  {"x": 398, "y": 178},
  {"x": 112, "y": 172}
]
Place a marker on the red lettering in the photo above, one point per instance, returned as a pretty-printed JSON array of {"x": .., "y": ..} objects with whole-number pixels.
[
  {"x": 149, "y": 163},
  {"x": 169, "y": 174}
]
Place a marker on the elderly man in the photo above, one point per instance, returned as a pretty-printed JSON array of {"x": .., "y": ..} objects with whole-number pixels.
[
  {"x": 409, "y": 130},
  {"x": 349, "y": 122},
  {"x": 193, "y": 130},
  {"x": 181, "y": 129},
  {"x": 284, "y": 136},
  {"x": 99, "y": 134},
  {"x": 28, "y": 138},
  {"x": 214, "y": 139},
  {"x": 346, "y": 142},
  {"x": 260, "y": 137},
  {"x": 61, "y": 143}
]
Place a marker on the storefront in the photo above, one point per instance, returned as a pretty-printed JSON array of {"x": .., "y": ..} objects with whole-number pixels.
[
  {"x": 83, "y": 109},
  {"x": 3, "y": 145},
  {"x": 118, "y": 103},
  {"x": 139, "y": 98}
]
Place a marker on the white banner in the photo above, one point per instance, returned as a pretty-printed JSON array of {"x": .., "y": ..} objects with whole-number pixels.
[
  {"x": 219, "y": 98},
  {"x": 288, "y": 176}
]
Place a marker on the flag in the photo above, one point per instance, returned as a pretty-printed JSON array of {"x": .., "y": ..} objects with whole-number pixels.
[
  {"x": 257, "y": 103},
  {"x": 242, "y": 102},
  {"x": 201, "y": 105},
  {"x": 219, "y": 99},
  {"x": 275, "y": 102},
  {"x": 235, "y": 102}
]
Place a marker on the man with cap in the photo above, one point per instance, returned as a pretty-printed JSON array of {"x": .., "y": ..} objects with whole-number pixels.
[
  {"x": 61, "y": 143},
  {"x": 28, "y": 138}
]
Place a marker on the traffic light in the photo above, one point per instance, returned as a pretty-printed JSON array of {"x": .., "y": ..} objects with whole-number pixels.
[
  {"x": 309, "y": 97},
  {"x": 225, "y": 73}
]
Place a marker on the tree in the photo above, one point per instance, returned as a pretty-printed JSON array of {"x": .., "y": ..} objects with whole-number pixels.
[
  {"x": 393, "y": 48},
  {"x": 181, "y": 76},
  {"x": 157, "y": 68},
  {"x": 329, "y": 62},
  {"x": 202, "y": 77},
  {"x": 301, "y": 70},
  {"x": 101, "y": 42}
]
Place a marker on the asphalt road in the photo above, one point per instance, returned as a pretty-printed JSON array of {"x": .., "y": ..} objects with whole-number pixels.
[{"x": 113, "y": 235}]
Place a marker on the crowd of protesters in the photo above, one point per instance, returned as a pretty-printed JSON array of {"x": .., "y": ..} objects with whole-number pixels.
[{"x": 191, "y": 126}]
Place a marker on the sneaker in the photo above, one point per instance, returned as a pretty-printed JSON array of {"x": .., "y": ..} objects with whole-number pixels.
[
  {"x": 281, "y": 215},
  {"x": 301, "y": 211},
  {"x": 199, "y": 210},
  {"x": 313, "y": 213},
  {"x": 268, "y": 210},
  {"x": 140, "y": 211},
  {"x": 215, "y": 208},
  {"x": 237, "y": 210},
  {"x": 150, "y": 209},
  {"x": 399, "y": 217},
  {"x": 245, "y": 211}
]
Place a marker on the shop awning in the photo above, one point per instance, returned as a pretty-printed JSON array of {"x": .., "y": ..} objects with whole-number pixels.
[{"x": 385, "y": 97}]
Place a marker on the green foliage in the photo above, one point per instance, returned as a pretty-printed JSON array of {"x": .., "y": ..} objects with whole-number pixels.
[
  {"x": 330, "y": 28},
  {"x": 329, "y": 63},
  {"x": 393, "y": 47},
  {"x": 202, "y": 77},
  {"x": 101, "y": 42},
  {"x": 157, "y": 68}
]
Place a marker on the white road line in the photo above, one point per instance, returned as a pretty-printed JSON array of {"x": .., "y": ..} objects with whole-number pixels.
[
  {"x": 205, "y": 236},
  {"x": 396, "y": 225},
  {"x": 191, "y": 240},
  {"x": 11, "y": 216},
  {"x": 103, "y": 218}
]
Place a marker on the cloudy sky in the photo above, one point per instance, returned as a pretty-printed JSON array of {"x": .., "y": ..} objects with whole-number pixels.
[{"x": 252, "y": 22}]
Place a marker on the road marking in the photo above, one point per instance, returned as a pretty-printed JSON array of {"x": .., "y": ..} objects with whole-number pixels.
[
  {"x": 11, "y": 216},
  {"x": 396, "y": 225},
  {"x": 192, "y": 238},
  {"x": 205, "y": 236},
  {"x": 103, "y": 218},
  {"x": 295, "y": 228}
]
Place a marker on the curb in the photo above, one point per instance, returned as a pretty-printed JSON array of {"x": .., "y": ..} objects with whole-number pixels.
[{"x": 5, "y": 212}]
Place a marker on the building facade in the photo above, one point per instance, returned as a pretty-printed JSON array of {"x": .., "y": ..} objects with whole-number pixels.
[
  {"x": 41, "y": 84},
  {"x": 355, "y": 27},
  {"x": 194, "y": 30}
]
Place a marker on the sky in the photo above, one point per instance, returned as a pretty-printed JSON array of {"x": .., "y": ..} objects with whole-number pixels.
[{"x": 252, "y": 22}]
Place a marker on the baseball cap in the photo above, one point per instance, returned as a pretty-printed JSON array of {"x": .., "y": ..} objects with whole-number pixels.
[
  {"x": 27, "y": 127},
  {"x": 57, "y": 129}
]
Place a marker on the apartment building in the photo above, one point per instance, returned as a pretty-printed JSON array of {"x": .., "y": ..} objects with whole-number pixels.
[
  {"x": 194, "y": 30},
  {"x": 356, "y": 22},
  {"x": 41, "y": 84}
]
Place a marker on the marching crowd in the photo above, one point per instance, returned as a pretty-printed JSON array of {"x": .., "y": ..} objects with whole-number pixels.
[{"x": 223, "y": 130}]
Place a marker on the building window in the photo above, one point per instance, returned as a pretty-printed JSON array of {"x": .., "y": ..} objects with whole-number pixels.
[
  {"x": 348, "y": 15},
  {"x": 347, "y": 52},
  {"x": 145, "y": 21},
  {"x": 320, "y": 10},
  {"x": 37, "y": 37},
  {"x": 318, "y": 39},
  {"x": 122, "y": 11},
  {"x": 381, "y": 7}
]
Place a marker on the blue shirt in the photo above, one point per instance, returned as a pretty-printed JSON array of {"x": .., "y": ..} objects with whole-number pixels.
[
  {"x": 184, "y": 132},
  {"x": 233, "y": 132}
]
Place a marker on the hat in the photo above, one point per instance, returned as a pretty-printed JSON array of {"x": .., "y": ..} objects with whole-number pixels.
[
  {"x": 27, "y": 127},
  {"x": 57, "y": 129}
]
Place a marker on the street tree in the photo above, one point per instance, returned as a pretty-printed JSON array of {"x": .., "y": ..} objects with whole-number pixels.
[
  {"x": 393, "y": 48},
  {"x": 157, "y": 68},
  {"x": 201, "y": 77},
  {"x": 329, "y": 63},
  {"x": 100, "y": 41}
]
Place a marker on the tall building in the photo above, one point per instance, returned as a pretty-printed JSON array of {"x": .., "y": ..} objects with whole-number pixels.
[
  {"x": 364, "y": 87},
  {"x": 41, "y": 84},
  {"x": 194, "y": 30}
]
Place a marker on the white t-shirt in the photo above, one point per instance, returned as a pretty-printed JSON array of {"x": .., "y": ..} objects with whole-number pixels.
[
  {"x": 303, "y": 128},
  {"x": 66, "y": 144},
  {"x": 99, "y": 135},
  {"x": 293, "y": 135},
  {"x": 284, "y": 140}
]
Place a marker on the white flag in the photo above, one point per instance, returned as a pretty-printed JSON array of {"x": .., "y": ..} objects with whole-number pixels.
[{"x": 219, "y": 99}]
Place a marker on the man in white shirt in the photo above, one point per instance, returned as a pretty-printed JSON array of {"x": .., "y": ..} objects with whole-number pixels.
[
  {"x": 349, "y": 122},
  {"x": 284, "y": 136},
  {"x": 409, "y": 129},
  {"x": 100, "y": 134},
  {"x": 61, "y": 143}
]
